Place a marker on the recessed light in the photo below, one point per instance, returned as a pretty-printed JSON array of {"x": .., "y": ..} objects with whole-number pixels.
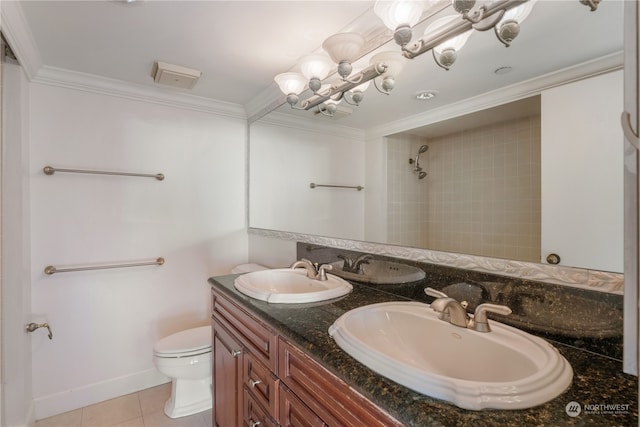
[
  {"x": 425, "y": 95},
  {"x": 503, "y": 70}
]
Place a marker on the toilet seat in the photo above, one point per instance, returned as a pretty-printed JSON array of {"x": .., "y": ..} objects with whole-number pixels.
[{"x": 191, "y": 342}]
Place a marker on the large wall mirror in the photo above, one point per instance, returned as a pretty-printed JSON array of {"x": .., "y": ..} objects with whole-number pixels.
[{"x": 518, "y": 155}]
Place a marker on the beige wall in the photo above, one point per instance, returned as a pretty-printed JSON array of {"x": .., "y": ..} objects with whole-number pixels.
[{"x": 481, "y": 195}]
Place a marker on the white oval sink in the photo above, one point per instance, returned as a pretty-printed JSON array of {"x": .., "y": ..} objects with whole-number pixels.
[
  {"x": 380, "y": 272},
  {"x": 286, "y": 285},
  {"x": 407, "y": 343}
]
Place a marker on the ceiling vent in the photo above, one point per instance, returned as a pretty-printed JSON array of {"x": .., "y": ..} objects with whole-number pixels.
[{"x": 175, "y": 75}]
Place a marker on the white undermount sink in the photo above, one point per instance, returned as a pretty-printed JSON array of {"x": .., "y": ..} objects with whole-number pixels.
[
  {"x": 286, "y": 285},
  {"x": 380, "y": 272},
  {"x": 406, "y": 342}
]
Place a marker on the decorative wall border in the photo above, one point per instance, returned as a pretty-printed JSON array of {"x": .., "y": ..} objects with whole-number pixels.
[{"x": 595, "y": 280}]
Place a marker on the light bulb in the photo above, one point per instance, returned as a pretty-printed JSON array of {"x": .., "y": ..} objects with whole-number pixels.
[
  {"x": 396, "y": 13},
  {"x": 291, "y": 83}
]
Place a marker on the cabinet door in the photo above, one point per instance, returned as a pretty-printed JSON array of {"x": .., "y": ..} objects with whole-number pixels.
[
  {"x": 294, "y": 413},
  {"x": 227, "y": 378},
  {"x": 255, "y": 336}
]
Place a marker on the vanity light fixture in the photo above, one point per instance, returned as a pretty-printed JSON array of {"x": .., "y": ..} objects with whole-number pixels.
[
  {"x": 444, "y": 37},
  {"x": 446, "y": 52},
  {"x": 351, "y": 88}
]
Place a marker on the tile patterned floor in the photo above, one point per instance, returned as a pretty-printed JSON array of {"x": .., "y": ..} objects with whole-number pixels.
[{"x": 141, "y": 409}]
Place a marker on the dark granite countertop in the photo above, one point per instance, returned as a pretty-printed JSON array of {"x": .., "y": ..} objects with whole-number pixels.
[{"x": 598, "y": 380}]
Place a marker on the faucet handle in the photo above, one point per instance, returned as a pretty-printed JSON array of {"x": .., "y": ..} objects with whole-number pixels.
[
  {"x": 435, "y": 293},
  {"x": 322, "y": 271},
  {"x": 480, "y": 322}
]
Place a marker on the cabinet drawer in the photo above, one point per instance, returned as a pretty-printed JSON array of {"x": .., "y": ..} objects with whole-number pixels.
[
  {"x": 254, "y": 414},
  {"x": 261, "y": 383},
  {"x": 327, "y": 395},
  {"x": 294, "y": 413},
  {"x": 254, "y": 335}
]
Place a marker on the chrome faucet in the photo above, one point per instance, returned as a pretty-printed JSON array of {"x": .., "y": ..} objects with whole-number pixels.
[
  {"x": 314, "y": 271},
  {"x": 454, "y": 312},
  {"x": 352, "y": 266}
]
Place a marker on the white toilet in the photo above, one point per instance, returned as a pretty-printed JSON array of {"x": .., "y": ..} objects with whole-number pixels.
[{"x": 185, "y": 357}]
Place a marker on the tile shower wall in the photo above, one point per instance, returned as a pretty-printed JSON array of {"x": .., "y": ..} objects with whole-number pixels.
[{"x": 481, "y": 195}]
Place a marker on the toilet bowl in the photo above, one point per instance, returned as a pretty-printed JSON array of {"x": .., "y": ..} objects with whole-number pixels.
[{"x": 185, "y": 357}]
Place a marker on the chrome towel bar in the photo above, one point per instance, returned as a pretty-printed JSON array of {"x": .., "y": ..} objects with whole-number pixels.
[
  {"x": 49, "y": 170},
  {"x": 357, "y": 187},
  {"x": 50, "y": 269}
]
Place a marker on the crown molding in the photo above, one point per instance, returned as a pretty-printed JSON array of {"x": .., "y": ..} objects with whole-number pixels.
[
  {"x": 502, "y": 96},
  {"x": 17, "y": 33},
  {"x": 20, "y": 38},
  {"x": 96, "y": 84}
]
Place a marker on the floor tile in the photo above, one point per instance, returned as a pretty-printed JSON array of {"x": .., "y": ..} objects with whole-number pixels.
[
  {"x": 112, "y": 412},
  {"x": 208, "y": 418},
  {"x": 153, "y": 399},
  {"x": 136, "y": 422},
  {"x": 159, "y": 419},
  {"x": 67, "y": 419},
  {"x": 142, "y": 409}
]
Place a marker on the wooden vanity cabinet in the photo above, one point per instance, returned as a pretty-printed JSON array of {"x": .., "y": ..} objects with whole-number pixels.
[
  {"x": 244, "y": 364},
  {"x": 261, "y": 379}
]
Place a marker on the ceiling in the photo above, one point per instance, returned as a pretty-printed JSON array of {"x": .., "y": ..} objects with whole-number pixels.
[{"x": 241, "y": 45}]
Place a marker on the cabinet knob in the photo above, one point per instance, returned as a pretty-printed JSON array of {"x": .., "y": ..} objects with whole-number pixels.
[
  {"x": 236, "y": 353},
  {"x": 253, "y": 382},
  {"x": 254, "y": 423}
]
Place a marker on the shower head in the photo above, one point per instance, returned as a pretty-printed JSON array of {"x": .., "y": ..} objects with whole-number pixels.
[{"x": 416, "y": 162}]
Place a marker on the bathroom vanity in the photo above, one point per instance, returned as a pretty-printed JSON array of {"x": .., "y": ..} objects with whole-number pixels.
[{"x": 275, "y": 364}]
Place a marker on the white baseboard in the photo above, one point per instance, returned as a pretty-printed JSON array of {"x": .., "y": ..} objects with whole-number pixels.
[
  {"x": 31, "y": 415},
  {"x": 58, "y": 403}
]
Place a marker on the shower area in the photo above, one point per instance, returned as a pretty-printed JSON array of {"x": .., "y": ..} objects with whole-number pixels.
[{"x": 473, "y": 191}]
